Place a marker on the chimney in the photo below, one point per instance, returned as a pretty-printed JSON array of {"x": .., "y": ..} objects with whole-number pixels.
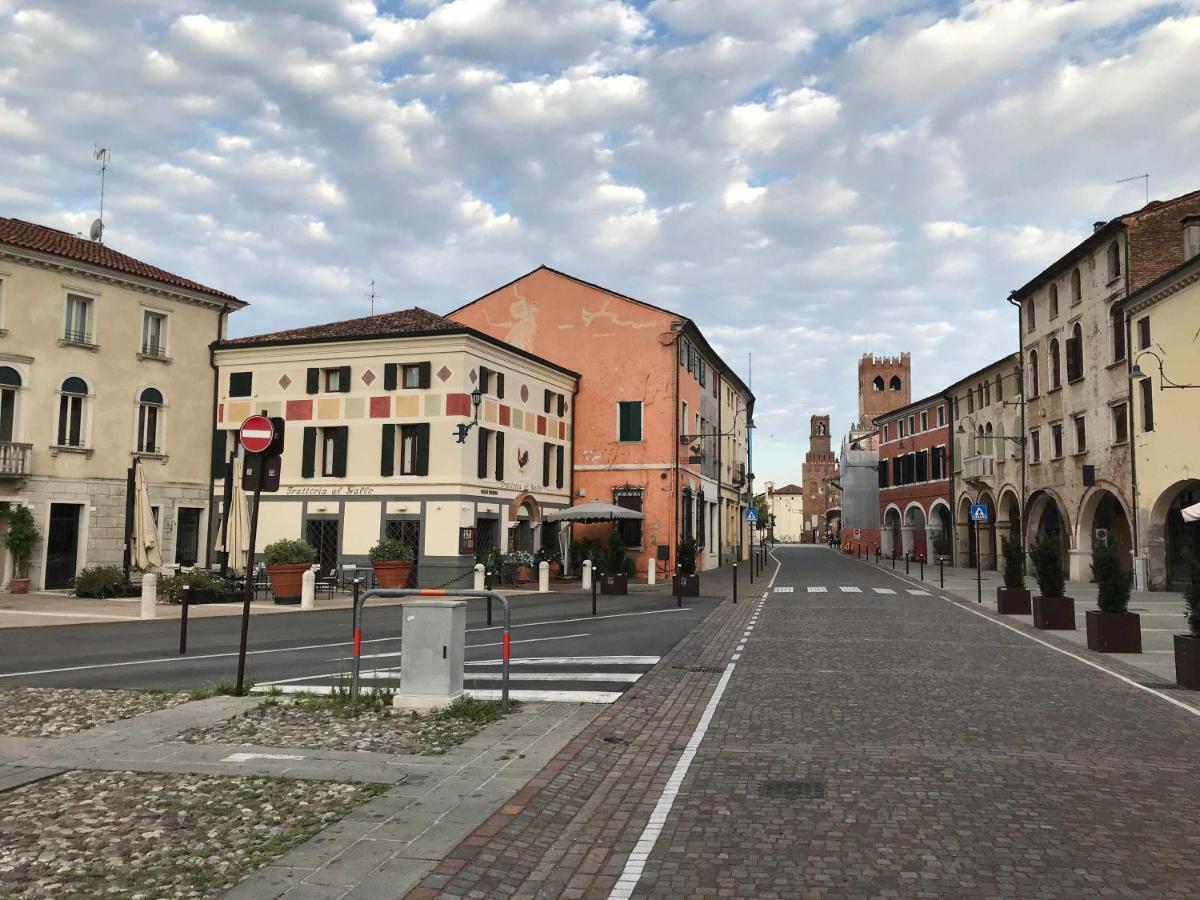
[{"x": 1096, "y": 226}]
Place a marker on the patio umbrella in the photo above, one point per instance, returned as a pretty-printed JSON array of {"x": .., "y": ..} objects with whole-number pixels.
[
  {"x": 145, "y": 554},
  {"x": 1191, "y": 513},
  {"x": 237, "y": 531},
  {"x": 592, "y": 511}
]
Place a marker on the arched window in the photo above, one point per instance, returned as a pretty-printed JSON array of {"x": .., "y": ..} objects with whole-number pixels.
[
  {"x": 1114, "y": 260},
  {"x": 877, "y": 384},
  {"x": 1033, "y": 373},
  {"x": 1030, "y": 315},
  {"x": 989, "y": 444},
  {"x": 1117, "y": 318},
  {"x": 821, "y": 429},
  {"x": 979, "y": 445},
  {"x": 1017, "y": 383},
  {"x": 73, "y": 396},
  {"x": 970, "y": 401},
  {"x": 987, "y": 393},
  {"x": 1054, "y": 301},
  {"x": 894, "y": 384},
  {"x": 1075, "y": 353},
  {"x": 10, "y": 383},
  {"x": 150, "y": 421},
  {"x": 1076, "y": 287},
  {"x": 1055, "y": 365},
  {"x": 999, "y": 389}
]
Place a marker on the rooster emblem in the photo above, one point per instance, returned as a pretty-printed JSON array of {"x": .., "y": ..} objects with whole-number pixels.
[{"x": 522, "y": 457}]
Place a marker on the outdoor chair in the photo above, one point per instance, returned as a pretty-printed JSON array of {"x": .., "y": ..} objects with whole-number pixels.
[{"x": 327, "y": 583}]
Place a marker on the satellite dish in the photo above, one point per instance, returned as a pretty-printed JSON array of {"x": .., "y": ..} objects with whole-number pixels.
[{"x": 97, "y": 230}]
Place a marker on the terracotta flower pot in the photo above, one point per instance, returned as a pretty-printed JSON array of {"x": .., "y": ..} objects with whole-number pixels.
[
  {"x": 1114, "y": 632},
  {"x": 287, "y": 581},
  {"x": 18, "y": 585},
  {"x": 392, "y": 573},
  {"x": 555, "y": 569},
  {"x": 522, "y": 575},
  {"x": 1013, "y": 601},
  {"x": 1187, "y": 661},
  {"x": 1054, "y": 613}
]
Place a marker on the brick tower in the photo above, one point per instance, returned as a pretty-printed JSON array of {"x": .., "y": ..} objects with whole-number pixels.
[
  {"x": 884, "y": 384},
  {"x": 820, "y": 465}
]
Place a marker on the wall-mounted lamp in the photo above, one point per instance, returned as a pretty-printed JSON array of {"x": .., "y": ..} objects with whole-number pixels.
[
  {"x": 1163, "y": 381},
  {"x": 465, "y": 428}
]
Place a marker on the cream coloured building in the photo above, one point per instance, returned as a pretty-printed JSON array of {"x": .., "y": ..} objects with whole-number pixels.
[
  {"x": 735, "y": 414},
  {"x": 787, "y": 506},
  {"x": 372, "y": 407},
  {"x": 103, "y": 358}
]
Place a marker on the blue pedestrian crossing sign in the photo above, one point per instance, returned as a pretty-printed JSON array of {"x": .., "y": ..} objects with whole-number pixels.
[
  {"x": 752, "y": 515},
  {"x": 979, "y": 514}
]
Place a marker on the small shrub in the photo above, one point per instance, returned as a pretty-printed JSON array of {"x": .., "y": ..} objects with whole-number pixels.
[
  {"x": 482, "y": 711},
  {"x": 614, "y": 560},
  {"x": 390, "y": 550},
  {"x": 20, "y": 539},
  {"x": 171, "y": 589},
  {"x": 1014, "y": 563},
  {"x": 289, "y": 553},
  {"x": 630, "y": 567},
  {"x": 101, "y": 582},
  {"x": 1047, "y": 565},
  {"x": 1191, "y": 597},
  {"x": 1111, "y": 580},
  {"x": 588, "y": 548},
  {"x": 685, "y": 556},
  {"x": 548, "y": 555},
  {"x": 519, "y": 558}
]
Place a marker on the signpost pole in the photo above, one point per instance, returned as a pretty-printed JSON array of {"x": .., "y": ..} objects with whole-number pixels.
[
  {"x": 241, "y": 675},
  {"x": 978, "y": 566}
]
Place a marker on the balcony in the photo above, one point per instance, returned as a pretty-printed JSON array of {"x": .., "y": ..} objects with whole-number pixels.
[
  {"x": 739, "y": 474},
  {"x": 976, "y": 468},
  {"x": 14, "y": 459}
]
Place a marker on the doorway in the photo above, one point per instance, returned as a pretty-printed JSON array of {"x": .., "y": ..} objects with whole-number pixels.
[
  {"x": 62, "y": 545},
  {"x": 322, "y": 534}
]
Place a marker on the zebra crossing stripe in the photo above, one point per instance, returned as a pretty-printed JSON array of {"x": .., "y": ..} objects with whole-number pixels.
[
  {"x": 884, "y": 591},
  {"x": 851, "y": 590},
  {"x": 817, "y": 590},
  {"x": 918, "y": 593},
  {"x": 784, "y": 590}
]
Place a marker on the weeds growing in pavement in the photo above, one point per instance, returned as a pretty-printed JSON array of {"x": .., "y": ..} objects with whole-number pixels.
[{"x": 219, "y": 689}]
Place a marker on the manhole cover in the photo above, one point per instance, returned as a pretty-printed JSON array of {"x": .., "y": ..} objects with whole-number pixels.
[
  {"x": 615, "y": 739},
  {"x": 794, "y": 790},
  {"x": 711, "y": 670}
]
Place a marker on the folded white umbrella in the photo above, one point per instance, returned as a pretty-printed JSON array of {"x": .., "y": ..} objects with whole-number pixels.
[
  {"x": 237, "y": 531},
  {"x": 1191, "y": 513},
  {"x": 146, "y": 554}
]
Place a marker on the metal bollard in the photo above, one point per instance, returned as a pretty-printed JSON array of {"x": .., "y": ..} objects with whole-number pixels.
[
  {"x": 595, "y": 575},
  {"x": 941, "y": 572},
  {"x": 735, "y": 584},
  {"x": 905, "y": 562},
  {"x": 893, "y": 560},
  {"x": 489, "y": 610},
  {"x": 922, "y": 568},
  {"x": 487, "y": 580},
  {"x": 675, "y": 586},
  {"x": 187, "y": 596}
]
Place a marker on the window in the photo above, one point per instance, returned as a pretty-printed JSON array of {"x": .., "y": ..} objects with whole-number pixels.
[
  {"x": 1117, "y": 323},
  {"x": 72, "y": 396},
  {"x": 987, "y": 393},
  {"x": 1080, "y": 424},
  {"x": 187, "y": 535},
  {"x": 1033, "y": 373},
  {"x": 1055, "y": 366},
  {"x": 900, "y": 425},
  {"x": 700, "y": 371},
  {"x": 683, "y": 421},
  {"x": 883, "y": 473},
  {"x": 1030, "y": 315},
  {"x": 924, "y": 420},
  {"x": 683, "y": 352},
  {"x": 1143, "y": 330},
  {"x": 629, "y": 529},
  {"x": 333, "y": 452},
  {"x": 1147, "y": 389},
  {"x": 1035, "y": 446},
  {"x": 912, "y": 424},
  {"x": 412, "y": 376},
  {"x": 1053, "y": 301},
  {"x": 886, "y": 430},
  {"x": 336, "y": 380},
  {"x": 414, "y": 449},
  {"x": 941, "y": 416},
  {"x": 894, "y": 384},
  {"x": 1114, "y": 261},
  {"x": 1056, "y": 440},
  {"x": 1120, "y": 423},
  {"x": 1075, "y": 353},
  {"x": 938, "y": 459},
  {"x": 333, "y": 380},
  {"x": 629, "y": 421},
  {"x": 957, "y": 409},
  {"x": 149, "y": 428},
  {"x": 10, "y": 384},
  {"x": 970, "y": 401},
  {"x": 1191, "y": 237},
  {"x": 78, "y": 326},
  {"x": 989, "y": 445},
  {"x": 154, "y": 334},
  {"x": 241, "y": 384},
  {"x": 999, "y": 389},
  {"x": 877, "y": 384}
]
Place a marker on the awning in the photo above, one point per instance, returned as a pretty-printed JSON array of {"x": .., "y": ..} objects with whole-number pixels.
[{"x": 592, "y": 511}]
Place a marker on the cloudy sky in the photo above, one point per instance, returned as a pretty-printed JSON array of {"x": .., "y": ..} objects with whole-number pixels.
[{"x": 807, "y": 179}]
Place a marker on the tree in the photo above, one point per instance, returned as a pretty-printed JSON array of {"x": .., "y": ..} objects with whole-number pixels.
[
  {"x": 1047, "y": 565},
  {"x": 1111, "y": 579},
  {"x": 22, "y": 535}
]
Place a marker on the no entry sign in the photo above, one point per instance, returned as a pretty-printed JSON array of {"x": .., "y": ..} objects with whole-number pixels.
[{"x": 256, "y": 434}]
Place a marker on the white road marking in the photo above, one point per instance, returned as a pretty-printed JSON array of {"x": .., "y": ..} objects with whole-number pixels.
[
  {"x": 736, "y": 657},
  {"x": 850, "y": 590},
  {"x": 817, "y": 590},
  {"x": 917, "y": 593},
  {"x": 246, "y": 757},
  {"x": 785, "y": 590},
  {"x": 884, "y": 591}
]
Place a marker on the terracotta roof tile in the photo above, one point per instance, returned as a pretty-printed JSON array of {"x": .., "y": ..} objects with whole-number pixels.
[
  {"x": 403, "y": 321},
  {"x": 28, "y": 236},
  {"x": 790, "y": 489}
]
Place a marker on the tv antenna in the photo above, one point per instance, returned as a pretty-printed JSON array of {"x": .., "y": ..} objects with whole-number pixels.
[
  {"x": 371, "y": 296},
  {"x": 1145, "y": 178},
  {"x": 101, "y": 155}
]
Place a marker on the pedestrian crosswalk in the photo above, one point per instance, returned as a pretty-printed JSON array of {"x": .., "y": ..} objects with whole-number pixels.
[
  {"x": 547, "y": 679},
  {"x": 851, "y": 589}
]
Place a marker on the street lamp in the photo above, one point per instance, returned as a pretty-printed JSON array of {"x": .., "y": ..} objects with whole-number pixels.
[
  {"x": 465, "y": 428},
  {"x": 1163, "y": 381}
]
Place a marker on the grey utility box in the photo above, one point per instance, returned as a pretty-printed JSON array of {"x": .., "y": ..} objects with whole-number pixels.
[{"x": 432, "y": 652}]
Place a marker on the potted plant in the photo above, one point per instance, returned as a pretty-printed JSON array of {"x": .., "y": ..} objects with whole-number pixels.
[
  {"x": 204, "y": 587},
  {"x": 616, "y": 579},
  {"x": 1051, "y": 610},
  {"x": 392, "y": 561},
  {"x": 1112, "y": 628},
  {"x": 552, "y": 558},
  {"x": 1187, "y": 646},
  {"x": 685, "y": 582},
  {"x": 521, "y": 564},
  {"x": 1013, "y": 599},
  {"x": 286, "y": 562},
  {"x": 22, "y": 535}
]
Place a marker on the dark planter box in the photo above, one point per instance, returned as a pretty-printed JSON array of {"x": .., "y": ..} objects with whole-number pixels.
[
  {"x": 1054, "y": 613},
  {"x": 1114, "y": 632},
  {"x": 1187, "y": 661},
  {"x": 685, "y": 585},
  {"x": 1013, "y": 601},
  {"x": 614, "y": 584}
]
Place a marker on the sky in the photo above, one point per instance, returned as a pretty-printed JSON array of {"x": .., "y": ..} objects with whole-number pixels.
[{"x": 808, "y": 180}]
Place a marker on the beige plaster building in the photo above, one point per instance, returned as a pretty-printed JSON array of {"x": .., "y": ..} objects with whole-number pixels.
[
  {"x": 786, "y": 504},
  {"x": 103, "y": 358},
  {"x": 372, "y": 409},
  {"x": 1163, "y": 328}
]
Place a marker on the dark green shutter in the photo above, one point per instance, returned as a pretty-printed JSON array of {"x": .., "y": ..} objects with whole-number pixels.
[
  {"x": 308, "y": 459},
  {"x": 562, "y": 405},
  {"x": 545, "y": 465},
  {"x": 421, "y": 457},
  {"x": 485, "y": 376},
  {"x": 219, "y": 442},
  {"x": 558, "y": 478},
  {"x": 341, "y": 438},
  {"x": 389, "y": 376},
  {"x": 549, "y": 394},
  {"x": 500, "y": 385},
  {"x": 499, "y": 455},
  {"x": 314, "y": 381},
  {"x": 423, "y": 371},
  {"x": 482, "y": 468},
  {"x": 344, "y": 379},
  {"x": 387, "y": 453}
]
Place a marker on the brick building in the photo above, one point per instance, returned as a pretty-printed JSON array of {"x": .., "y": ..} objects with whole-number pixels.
[
  {"x": 822, "y": 503},
  {"x": 914, "y": 479},
  {"x": 884, "y": 384}
]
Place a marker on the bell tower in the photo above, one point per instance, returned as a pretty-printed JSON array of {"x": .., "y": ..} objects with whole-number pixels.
[
  {"x": 819, "y": 470},
  {"x": 884, "y": 384}
]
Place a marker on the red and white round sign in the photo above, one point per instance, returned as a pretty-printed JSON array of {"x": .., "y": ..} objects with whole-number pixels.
[{"x": 256, "y": 434}]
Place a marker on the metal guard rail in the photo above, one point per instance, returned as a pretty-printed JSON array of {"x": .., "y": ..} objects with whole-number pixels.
[{"x": 386, "y": 593}]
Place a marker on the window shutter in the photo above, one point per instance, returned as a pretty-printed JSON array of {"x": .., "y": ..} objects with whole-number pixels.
[
  {"x": 1147, "y": 404},
  {"x": 423, "y": 371},
  {"x": 341, "y": 438},
  {"x": 344, "y": 379},
  {"x": 387, "y": 453},
  {"x": 883, "y": 479},
  {"x": 421, "y": 460},
  {"x": 389, "y": 376},
  {"x": 548, "y": 395},
  {"x": 482, "y": 468},
  {"x": 922, "y": 465},
  {"x": 500, "y": 385},
  {"x": 545, "y": 465},
  {"x": 562, "y": 405},
  {"x": 218, "y": 453},
  {"x": 314, "y": 381},
  {"x": 308, "y": 459},
  {"x": 485, "y": 377},
  {"x": 499, "y": 455},
  {"x": 558, "y": 478}
]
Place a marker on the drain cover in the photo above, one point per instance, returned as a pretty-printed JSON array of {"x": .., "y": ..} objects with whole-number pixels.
[
  {"x": 712, "y": 670},
  {"x": 794, "y": 790},
  {"x": 615, "y": 739}
]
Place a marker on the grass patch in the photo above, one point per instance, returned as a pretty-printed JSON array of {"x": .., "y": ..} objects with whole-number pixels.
[
  {"x": 482, "y": 712},
  {"x": 218, "y": 689}
]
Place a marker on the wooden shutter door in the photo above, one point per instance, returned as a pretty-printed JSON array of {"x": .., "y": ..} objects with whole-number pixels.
[
  {"x": 421, "y": 460},
  {"x": 546, "y": 465},
  {"x": 313, "y": 384},
  {"x": 344, "y": 379},
  {"x": 308, "y": 459},
  {"x": 387, "y": 453},
  {"x": 423, "y": 372},
  {"x": 558, "y": 478},
  {"x": 341, "y": 438},
  {"x": 389, "y": 376},
  {"x": 499, "y": 455},
  {"x": 482, "y": 468}
]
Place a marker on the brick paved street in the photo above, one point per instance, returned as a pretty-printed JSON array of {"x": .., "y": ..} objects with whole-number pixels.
[{"x": 867, "y": 744}]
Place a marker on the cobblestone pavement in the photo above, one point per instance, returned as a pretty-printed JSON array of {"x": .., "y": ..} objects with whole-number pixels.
[
  {"x": 47, "y": 712},
  {"x": 866, "y": 745}
]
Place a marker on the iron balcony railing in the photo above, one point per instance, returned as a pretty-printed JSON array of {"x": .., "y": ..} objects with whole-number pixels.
[{"x": 14, "y": 459}]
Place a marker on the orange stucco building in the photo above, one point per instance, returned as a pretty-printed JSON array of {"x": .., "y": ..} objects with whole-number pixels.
[{"x": 660, "y": 421}]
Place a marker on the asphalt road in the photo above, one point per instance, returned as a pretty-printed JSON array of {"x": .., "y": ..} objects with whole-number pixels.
[{"x": 312, "y": 649}]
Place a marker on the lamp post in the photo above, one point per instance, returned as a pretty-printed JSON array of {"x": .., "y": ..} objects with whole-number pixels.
[
  {"x": 1164, "y": 383},
  {"x": 464, "y": 428}
]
